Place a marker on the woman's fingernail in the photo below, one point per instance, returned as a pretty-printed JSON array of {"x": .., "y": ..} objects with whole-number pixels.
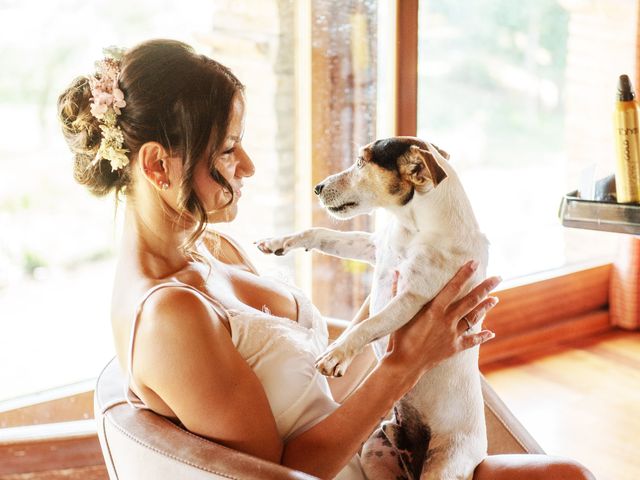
[
  {"x": 491, "y": 335},
  {"x": 473, "y": 264}
]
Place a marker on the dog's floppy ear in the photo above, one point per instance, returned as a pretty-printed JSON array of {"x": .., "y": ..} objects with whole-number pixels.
[
  {"x": 441, "y": 151},
  {"x": 421, "y": 168}
]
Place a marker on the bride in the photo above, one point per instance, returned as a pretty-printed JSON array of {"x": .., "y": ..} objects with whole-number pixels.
[{"x": 207, "y": 341}]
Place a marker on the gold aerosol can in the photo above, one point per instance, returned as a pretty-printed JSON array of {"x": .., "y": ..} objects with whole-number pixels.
[{"x": 626, "y": 137}]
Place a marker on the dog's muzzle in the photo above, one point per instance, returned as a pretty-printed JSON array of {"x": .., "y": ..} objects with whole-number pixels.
[{"x": 343, "y": 207}]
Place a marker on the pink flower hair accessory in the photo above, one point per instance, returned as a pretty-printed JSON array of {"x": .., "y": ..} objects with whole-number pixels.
[{"x": 107, "y": 100}]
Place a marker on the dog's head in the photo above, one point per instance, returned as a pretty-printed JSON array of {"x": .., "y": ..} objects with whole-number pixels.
[{"x": 387, "y": 173}]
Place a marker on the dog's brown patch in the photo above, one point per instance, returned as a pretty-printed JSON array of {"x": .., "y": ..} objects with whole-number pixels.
[
  {"x": 365, "y": 153},
  {"x": 387, "y": 186},
  {"x": 423, "y": 145},
  {"x": 421, "y": 169}
]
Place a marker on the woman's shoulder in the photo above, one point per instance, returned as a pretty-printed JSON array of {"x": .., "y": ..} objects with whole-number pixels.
[
  {"x": 176, "y": 305},
  {"x": 174, "y": 320}
]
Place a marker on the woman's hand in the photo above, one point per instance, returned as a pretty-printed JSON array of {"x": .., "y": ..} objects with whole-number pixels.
[{"x": 440, "y": 329}]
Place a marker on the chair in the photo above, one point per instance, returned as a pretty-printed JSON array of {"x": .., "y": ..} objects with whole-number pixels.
[{"x": 141, "y": 445}]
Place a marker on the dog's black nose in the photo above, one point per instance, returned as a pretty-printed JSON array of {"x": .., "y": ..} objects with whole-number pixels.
[{"x": 318, "y": 188}]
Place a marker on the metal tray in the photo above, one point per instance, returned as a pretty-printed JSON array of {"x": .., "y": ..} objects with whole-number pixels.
[{"x": 595, "y": 215}]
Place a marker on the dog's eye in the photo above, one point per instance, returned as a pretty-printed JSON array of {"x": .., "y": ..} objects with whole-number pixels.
[{"x": 360, "y": 162}]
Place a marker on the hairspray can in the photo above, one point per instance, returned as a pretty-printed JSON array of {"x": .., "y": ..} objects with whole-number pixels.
[{"x": 626, "y": 138}]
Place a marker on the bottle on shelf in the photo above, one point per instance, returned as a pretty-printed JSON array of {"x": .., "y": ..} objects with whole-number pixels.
[{"x": 627, "y": 143}]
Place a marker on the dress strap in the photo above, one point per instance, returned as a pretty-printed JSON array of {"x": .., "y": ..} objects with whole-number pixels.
[{"x": 134, "y": 401}]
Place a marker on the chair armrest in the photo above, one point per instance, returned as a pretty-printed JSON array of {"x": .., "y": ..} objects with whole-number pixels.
[
  {"x": 140, "y": 444},
  {"x": 504, "y": 432},
  {"x": 175, "y": 449}
]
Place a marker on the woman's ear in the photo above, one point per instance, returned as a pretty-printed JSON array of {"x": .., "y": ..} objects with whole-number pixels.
[{"x": 153, "y": 165}]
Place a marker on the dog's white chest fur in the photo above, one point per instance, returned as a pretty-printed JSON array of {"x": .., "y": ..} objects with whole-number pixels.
[{"x": 396, "y": 251}]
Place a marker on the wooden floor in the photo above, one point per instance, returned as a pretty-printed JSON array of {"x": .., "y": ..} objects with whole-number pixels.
[
  {"x": 98, "y": 472},
  {"x": 580, "y": 400}
]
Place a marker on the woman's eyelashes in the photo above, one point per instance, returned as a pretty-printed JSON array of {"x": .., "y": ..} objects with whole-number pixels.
[
  {"x": 231, "y": 148},
  {"x": 224, "y": 155}
]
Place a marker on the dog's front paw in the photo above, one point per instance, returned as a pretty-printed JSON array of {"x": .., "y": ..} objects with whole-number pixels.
[
  {"x": 336, "y": 359},
  {"x": 279, "y": 245}
]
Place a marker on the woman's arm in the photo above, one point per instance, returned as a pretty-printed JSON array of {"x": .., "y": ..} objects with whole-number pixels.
[
  {"x": 327, "y": 447},
  {"x": 436, "y": 333}
]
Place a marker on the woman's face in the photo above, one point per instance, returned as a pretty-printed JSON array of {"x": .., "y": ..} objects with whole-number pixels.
[{"x": 233, "y": 164}]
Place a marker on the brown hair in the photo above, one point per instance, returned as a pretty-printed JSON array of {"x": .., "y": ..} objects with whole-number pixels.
[{"x": 175, "y": 97}]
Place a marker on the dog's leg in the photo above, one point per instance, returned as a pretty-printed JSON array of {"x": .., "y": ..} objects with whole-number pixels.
[
  {"x": 353, "y": 245},
  {"x": 418, "y": 291},
  {"x": 396, "y": 313}
]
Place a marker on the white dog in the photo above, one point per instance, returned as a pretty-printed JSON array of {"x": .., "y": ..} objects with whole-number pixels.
[{"x": 438, "y": 431}]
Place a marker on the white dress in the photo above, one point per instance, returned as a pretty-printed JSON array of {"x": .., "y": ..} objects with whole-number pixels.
[{"x": 282, "y": 354}]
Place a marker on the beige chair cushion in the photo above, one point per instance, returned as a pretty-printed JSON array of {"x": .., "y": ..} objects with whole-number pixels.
[{"x": 141, "y": 445}]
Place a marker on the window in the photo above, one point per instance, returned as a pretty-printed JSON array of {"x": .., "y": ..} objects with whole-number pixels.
[
  {"x": 521, "y": 95},
  {"x": 344, "y": 91}
]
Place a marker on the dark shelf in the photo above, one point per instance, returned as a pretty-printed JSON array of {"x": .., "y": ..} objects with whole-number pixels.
[{"x": 577, "y": 212}]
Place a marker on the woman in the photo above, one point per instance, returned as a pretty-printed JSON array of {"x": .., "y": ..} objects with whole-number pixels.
[{"x": 208, "y": 342}]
